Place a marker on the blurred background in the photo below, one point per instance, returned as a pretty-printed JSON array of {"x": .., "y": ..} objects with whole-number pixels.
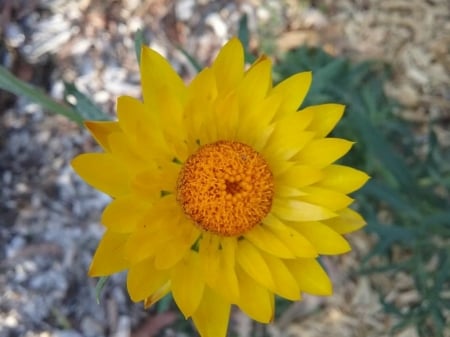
[{"x": 388, "y": 61}]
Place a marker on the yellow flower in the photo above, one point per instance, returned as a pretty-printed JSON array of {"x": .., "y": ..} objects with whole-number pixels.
[{"x": 223, "y": 193}]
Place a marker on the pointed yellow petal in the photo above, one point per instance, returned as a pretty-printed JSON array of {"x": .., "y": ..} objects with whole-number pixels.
[
  {"x": 209, "y": 257},
  {"x": 343, "y": 179},
  {"x": 157, "y": 295},
  {"x": 254, "y": 126},
  {"x": 109, "y": 256},
  {"x": 143, "y": 280},
  {"x": 123, "y": 214},
  {"x": 255, "y": 84},
  {"x": 172, "y": 123},
  {"x": 293, "y": 90},
  {"x": 188, "y": 284},
  {"x": 143, "y": 127},
  {"x": 101, "y": 130},
  {"x": 347, "y": 221},
  {"x": 150, "y": 183},
  {"x": 251, "y": 261},
  {"x": 322, "y": 152},
  {"x": 228, "y": 66},
  {"x": 104, "y": 172},
  {"x": 323, "y": 238},
  {"x": 310, "y": 276},
  {"x": 154, "y": 230},
  {"x": 121, "y": 148},
  {"x": 300, "y": 176},
  {"x": 255, "y": 301},
  {"x": 326, "y": 116},
  {"x": 184, "y": 235},
  {"x": 267, "y": 241},
  {"x": 227, "y": 117},
  {"x": 284, "y": 143},
  {"x": 212, "y": 315},
  {"x": 296, "y": 242},
  {"x": 199, "y": 110},
  {"x": 227, "y": 283},
  {"x": 327, "y": 198},
  {"x": 285, "y": 284},
  {"x": 283, "y": 191},
  {"x": 157, "y": 73},
  {"x": 294, "y": 210}
]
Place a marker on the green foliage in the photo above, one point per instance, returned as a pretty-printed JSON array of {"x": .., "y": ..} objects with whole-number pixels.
[
  {"x": 412, "y": 190},
  {"x": 82, "y": 104},
  {"x": 14, "y": 85}
]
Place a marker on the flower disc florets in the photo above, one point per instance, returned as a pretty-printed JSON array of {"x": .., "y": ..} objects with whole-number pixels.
[{"x": 226, "y": 188}]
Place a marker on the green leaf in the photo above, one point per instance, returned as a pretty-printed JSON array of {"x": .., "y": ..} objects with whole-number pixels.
[
  {"x": 138, "y": 42},
  {"x": 14, "y": 85},
  {"x": 83, "y": 104},
  {"x": 192, "y": 60},
  {"x": 99, "y": 287},
  {"x": 244, "y": 37}
]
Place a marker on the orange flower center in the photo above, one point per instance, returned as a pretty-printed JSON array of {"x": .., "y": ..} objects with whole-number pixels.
[{"x": 226, "y": 188}]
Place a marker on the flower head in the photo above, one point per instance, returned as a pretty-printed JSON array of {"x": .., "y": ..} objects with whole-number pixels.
[{"x": 223, "y": 193}]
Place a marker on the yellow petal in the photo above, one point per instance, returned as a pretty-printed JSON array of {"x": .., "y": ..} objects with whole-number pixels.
[
  {"x": 343, "y": 178},
  {"x": 283, "y": 191},
  {"x": 184, "y": 235},
  {"x": 109, "y": 258},
  {"x": 122, "y": 150},
  {"x": 294, "y": 90},
  {"x": 326, "y": 116},
  {"x": 310, "y": 276},
  {"x": 202, "y": 93},
  {"x": 227, "y": 117},
  {"x": 251, "y": 261},
  {"x": 254, "y": 122},
  {"x": 322, "y": 152},
  {"x": 255, "y": 84},
  {"x": 284, "y": 143},
  {"x": 347, "y": 221},
  {"x": 187, "y": 284},
  {"x": 143, "y": 280},
  {"x": 296, "y": 242},
  {"x": 267, "y": 241},
  {"x": 101, "y": 130},
  {"x": 255, "y": 300},
  {"x": 172, "y": 123},
  {"x": 157, "y": 73},
  {"x": 327, "y": 198},
  {"x": 157, "y": 295},
  {"x": 285, "y": 284},
  {"x": 227, "y": 283},
  {"x": 228, "y": 66},
  {"x": 150, "y": 183},
  {"x": 143, "y": 127},
  {"x": 323, "y": 238},
  {"x": 294, "y": 210},
  {"x": 154, "y": 230},
  {"x": 212, "y": 315},
  {"x": 104, "y": 172},
  {"x": 123, "y": 214},
  {"x": 209, "y": 257},
  {"x": 300, "y": 176}
]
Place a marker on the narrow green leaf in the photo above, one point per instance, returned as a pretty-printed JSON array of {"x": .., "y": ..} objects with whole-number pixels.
[
  {"x": 244, "y": 37},
  {"x": 14, "y": 85},
  {"x": 99, "y": 287},
  {"x": 138, "y": 42},
  {"x": 197, "y": 66},
  {"x": 84, "y": 105}
]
